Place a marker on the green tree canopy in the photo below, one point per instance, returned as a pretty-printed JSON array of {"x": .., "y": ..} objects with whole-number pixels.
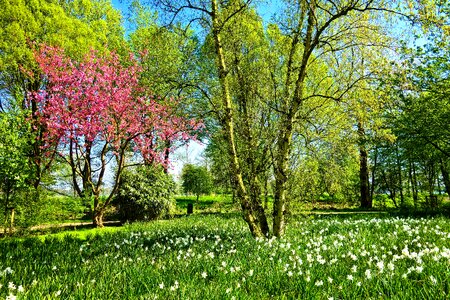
[{"x": 196, "y": 180}]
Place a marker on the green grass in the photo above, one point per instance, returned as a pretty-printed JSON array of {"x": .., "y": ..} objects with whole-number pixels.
[
  {"x": 206, "y": 203},
  {"x": 214, "y": 257}
]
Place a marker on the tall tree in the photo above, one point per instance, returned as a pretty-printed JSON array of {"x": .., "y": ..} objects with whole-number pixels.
[
  {"x": 76, "y": 26},
  {"x": 312, "y": 32}
]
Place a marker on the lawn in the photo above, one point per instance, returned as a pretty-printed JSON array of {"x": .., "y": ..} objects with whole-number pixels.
[{"x": 214, "y": 257}]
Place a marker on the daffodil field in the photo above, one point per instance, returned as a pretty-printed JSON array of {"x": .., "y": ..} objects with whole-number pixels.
[{"x": 214, "y": 257}]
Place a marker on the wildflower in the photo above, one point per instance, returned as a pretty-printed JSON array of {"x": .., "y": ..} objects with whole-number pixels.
[
  {"x": 319, "y": 283},
  {"x": 380, "y": 266},
  {"x": 290, "y": 273},
  {"x": 204, "y": 274},
  {"x": 54, "y": 268},
  {"x": 228, "y": 290},
  {"x": 20, "y": 289},
  {"x": 419, "y": 269},
  {"x": 161, "y": 285},
  {"x": 11, "y": 286},
  {"x": 34, "y": 282},
  {"x": 8, "y": 270},
  {"x": 250, "y": 273},
  {"x": 11, "y": 297},
  {"x": 350, "y": 277},
  {"x": 368, "y": 274},
  {"x": 359, "y": 283},
  {"x": 330, "y": 280},
  {"x": 354, "y": 267},
  {"x": 391, "y": 266},
  {"x": 57, "y": 293},
  {"x": 433, "y": 280}
]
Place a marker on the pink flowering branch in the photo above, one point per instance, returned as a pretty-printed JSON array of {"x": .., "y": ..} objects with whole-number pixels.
[{"x": 96, "y": 108}]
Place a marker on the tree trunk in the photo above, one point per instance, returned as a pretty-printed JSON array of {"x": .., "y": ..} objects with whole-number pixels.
[
  {"x": 266, "y": 194},
  {"x": 414, "y": 184},
  {"x": 400, "y": 177},
  {"x": 11, "y": 220},
  {"x": 363, "y": 170},
  {"x": 374, "y": 169},
  {"x": 7, "y": 195},
  {"x": 281, "y": 169},
  {"x": 166, "y": 156},
  {"x": 290, "y": 109},
  {"x": 228, "y": 124},
  {"x": 98, "y": 218},
  {"x": 99, "y": 211},
  {"x": 445, "y": 176}
]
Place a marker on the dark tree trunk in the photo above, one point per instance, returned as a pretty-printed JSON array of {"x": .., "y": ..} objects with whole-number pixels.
[
  {"x": 166, "y": 157},
  {"x": 413, "y": 183},
  {"x": 366, "y": 201},
  {"x": 266, "y": 195},
  {"x": 374, "y": 169},
  {"x": 400, "y": 177},
  {"x": 445, "y": 176}
]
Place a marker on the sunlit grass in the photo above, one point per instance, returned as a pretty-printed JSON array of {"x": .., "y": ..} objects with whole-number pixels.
[{"x": 214, "y": 257}]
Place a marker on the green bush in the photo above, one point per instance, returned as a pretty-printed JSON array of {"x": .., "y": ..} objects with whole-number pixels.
[{"x": 145, "y": 193}]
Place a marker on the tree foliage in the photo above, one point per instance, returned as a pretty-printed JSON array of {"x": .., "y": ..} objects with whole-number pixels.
[
  {"x": 145, "y": 193},
  {"x": 196, "y": 180}
]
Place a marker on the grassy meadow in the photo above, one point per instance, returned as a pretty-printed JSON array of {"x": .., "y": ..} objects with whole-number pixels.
[{"x": 214, "y": 257}]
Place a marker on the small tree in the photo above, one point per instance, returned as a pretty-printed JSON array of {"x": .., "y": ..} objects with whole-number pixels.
[
  {"x": 15, "y": 170},
  {"x": 196, "y": 180},
  {"x": 145, "y": 193}
]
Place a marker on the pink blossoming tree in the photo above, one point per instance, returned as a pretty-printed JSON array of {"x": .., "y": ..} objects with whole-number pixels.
[{"x": 96, "y": 111}]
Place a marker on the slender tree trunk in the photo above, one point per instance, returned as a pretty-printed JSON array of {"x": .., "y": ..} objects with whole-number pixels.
[
  {"x": 266, "y": 194},
  {"x": 445, "y": 176},
  {"x": 363, "y": 170},
  {"x": 166, "y": 157},
  {"x": 11, "y": 220},
  {"x": 374, "y": 169},
  {"x": 6, "y": 213},
  {"x": 411, "y": 183},
  {"x": 414, "y": 184},
  {"x": 400, "y": 177},
  {"x": 228, "y": 124},
  {"x": 390, "y": 187},
  {"x": 281, "y": 169}
]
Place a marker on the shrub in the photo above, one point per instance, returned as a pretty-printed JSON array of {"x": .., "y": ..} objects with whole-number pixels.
[{"x": 145, "y": 193}]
